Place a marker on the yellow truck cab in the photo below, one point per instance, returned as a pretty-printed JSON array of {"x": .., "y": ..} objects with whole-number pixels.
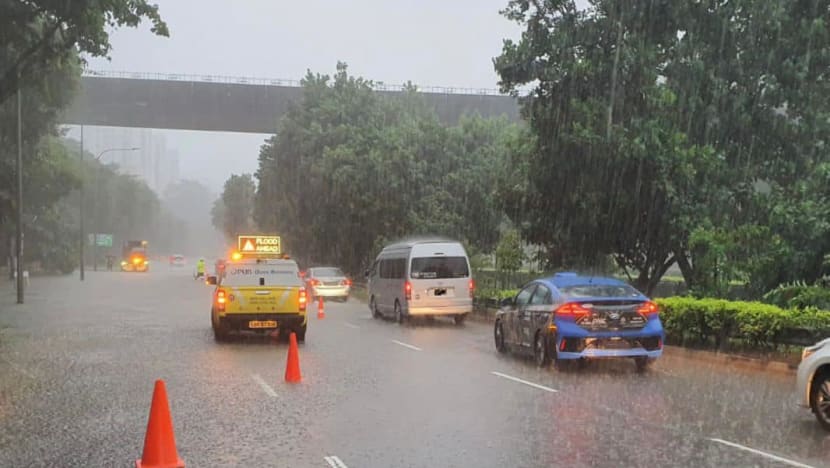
[{"x": 259, "y": 290}]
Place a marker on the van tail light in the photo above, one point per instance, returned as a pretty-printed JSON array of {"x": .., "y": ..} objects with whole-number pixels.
[
  {"x": 472, "y": 287},
  {"x": 648, "y": 309},
  {"x": 303, "y": 299},
  {"x": 573, "y": 310},
  {"x": 220, "y": 299},
  {"x": 407, "y": 289},
  {"x": 346, "y": 282}
]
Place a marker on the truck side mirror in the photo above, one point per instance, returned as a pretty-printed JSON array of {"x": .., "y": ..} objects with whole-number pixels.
[
  {"x": 366, "y": 273},
  {"x": 211, "y": 280}
]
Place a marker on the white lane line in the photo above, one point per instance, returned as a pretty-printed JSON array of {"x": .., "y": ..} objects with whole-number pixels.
[
  {"x": 350, "y": 325},
  {"x": 516, "y": 379},
  {"x": 763, "y": 454},
  {"x": 335, "y": 462},
  {"x": 406, "y": 345},
  {"x": 265, "y": 387}
]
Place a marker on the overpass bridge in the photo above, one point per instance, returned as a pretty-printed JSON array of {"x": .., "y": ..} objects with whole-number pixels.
[{"x": 233, "y": 104}]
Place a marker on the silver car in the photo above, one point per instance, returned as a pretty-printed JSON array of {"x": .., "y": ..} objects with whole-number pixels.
[
  {"x": 813, "y": 381},
  {"x": 328, "y": 283}
]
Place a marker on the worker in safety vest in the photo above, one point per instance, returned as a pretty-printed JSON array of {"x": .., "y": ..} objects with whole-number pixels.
[{"x": 200, "y": 268}]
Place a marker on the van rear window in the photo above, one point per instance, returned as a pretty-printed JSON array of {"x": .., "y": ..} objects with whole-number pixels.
[{"x": 439, "y": 267}]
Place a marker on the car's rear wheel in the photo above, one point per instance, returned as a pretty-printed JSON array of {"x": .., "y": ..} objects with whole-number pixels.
[
  {"x": 459, "y": 319},
  {"x": 373, "y": 306},
  {"x": 541, "y": 353},
  {"x": 642, "y": 363},
  {"x": 399, "y": 316},
  {"x": 820, "y": 399},
  {"x": 498, "y": 337}
]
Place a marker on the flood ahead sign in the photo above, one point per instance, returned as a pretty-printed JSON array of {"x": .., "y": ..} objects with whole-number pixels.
[{"x": 260, "y": 245}]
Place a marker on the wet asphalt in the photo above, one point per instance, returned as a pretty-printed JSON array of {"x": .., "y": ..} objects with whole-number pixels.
[{"x": 78, "y": 362}]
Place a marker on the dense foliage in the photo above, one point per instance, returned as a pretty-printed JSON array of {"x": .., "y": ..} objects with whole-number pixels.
[
  {"x": 719, "y": 323},
  {"x": 688, "y": 132},
  {"x": 232, "y": 213},
  {"x": 349, "y": 169},
  {"x": 41, "y": 36}
]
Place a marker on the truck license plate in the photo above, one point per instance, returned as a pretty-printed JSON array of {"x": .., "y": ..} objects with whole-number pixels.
[{"x": 262, "y": 324}]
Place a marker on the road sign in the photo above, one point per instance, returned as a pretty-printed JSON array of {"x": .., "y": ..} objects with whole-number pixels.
[
  {"x": 104, "y": 240},
  {"x": 260, "y": 245}
]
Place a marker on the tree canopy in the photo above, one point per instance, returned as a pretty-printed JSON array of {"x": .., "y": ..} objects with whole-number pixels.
[{"x": 349, "y": 169}]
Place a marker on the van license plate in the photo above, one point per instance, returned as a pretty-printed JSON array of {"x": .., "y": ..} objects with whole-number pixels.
[{"x": 262, "y": 324}]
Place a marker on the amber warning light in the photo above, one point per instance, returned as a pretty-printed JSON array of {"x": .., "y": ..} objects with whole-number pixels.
[{"x": 260, "y": 245}]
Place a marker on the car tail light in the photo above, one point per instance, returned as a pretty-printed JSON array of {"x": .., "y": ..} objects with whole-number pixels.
[
  {"x": 303, "y": 299},
  {"x": 220, "y": 299},
  {"x": 648, "y": 309},
  {"x": 346, "y": 282},
  {"x": 572, "y": 310},
  {"x": 407, "y": 289},
  {"x": 472, "y": 287}
]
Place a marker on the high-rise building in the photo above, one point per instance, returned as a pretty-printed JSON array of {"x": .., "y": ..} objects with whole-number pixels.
[{"x": 154, "y": 163}]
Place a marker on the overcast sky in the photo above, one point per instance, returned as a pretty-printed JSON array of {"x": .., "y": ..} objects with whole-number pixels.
[{"x": 431, "y": 42}]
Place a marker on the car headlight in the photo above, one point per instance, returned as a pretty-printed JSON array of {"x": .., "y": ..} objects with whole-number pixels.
[{"x": 123, "y": 262}]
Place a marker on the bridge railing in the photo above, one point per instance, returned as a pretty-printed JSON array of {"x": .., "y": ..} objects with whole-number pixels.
[{"x": 378, "y": 86}]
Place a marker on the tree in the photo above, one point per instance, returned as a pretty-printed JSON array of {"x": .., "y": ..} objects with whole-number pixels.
[
  {"x": 232, "y": 212},
  {"x": 653, "y": 119},
  {"x": 349, "y": 169},
  {"x": 509, "y": 252},
  {"x": 41, "y": 36},
  {"x": 47, "y": 173}
]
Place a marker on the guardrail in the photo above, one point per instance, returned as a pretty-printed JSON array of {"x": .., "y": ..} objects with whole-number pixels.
[{"x": 377, "y": 86}]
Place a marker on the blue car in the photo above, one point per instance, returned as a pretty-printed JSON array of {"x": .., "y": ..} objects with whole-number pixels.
[{"x": 571, "y": 317}]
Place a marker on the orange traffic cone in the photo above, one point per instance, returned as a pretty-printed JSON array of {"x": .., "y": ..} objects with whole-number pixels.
[
  {"x": 321, "y": 313},
  {"x": 292, "y": 367},
  {"x": 159, "y": 442}
]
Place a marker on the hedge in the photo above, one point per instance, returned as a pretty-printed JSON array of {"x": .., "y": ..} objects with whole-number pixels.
[{"x": 719, "y": 323}]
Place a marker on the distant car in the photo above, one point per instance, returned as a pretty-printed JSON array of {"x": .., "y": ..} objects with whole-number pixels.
[
  {"x": 813, "y": 381},
  {"x": 177, "y": 260},
  {"x": 570, "y": 317},
  {"x": 328, "y": 282}
]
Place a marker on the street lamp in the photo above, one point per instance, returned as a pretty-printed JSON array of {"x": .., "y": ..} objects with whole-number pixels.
[{"x": 95, "y": 201}]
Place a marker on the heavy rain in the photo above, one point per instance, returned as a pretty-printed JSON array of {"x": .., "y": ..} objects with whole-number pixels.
[{"x": 491, "y": 233}]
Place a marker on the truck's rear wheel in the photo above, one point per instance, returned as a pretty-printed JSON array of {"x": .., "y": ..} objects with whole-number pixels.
[
  {"x": 220, "y": 331},
  {"x": 300, "y": 332}
]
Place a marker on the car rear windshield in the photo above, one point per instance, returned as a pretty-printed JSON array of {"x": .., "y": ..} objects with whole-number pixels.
[
  {"x": 439, "y": 267},
  {"x": 249, "y": 275},
  {"x": 327, "y": 272},
  {"x": 599, "y": 290}
]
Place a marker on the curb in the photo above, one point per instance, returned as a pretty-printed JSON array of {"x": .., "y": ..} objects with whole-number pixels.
[{"x": 743, "y": 362}]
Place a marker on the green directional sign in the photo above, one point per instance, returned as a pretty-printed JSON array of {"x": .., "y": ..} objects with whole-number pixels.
[{"x": 103, "y": 240}]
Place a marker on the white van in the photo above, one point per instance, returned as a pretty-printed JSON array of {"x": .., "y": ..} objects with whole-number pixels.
[{"x": 421, "y": 278}]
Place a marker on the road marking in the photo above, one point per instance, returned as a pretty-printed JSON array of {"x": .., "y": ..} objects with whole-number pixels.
[
  {"x": 265, "y": 387},
  {"x": 350, "y": 325},
  {"x": 763, "y": 454},
  {"x": 406, "y": 345},
  {"x": 335, "y": 462},
  {"x": 516, "y": 379}
]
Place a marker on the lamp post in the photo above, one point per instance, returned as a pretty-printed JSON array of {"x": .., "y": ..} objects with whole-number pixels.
[{"x": 95, "y": 201}]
